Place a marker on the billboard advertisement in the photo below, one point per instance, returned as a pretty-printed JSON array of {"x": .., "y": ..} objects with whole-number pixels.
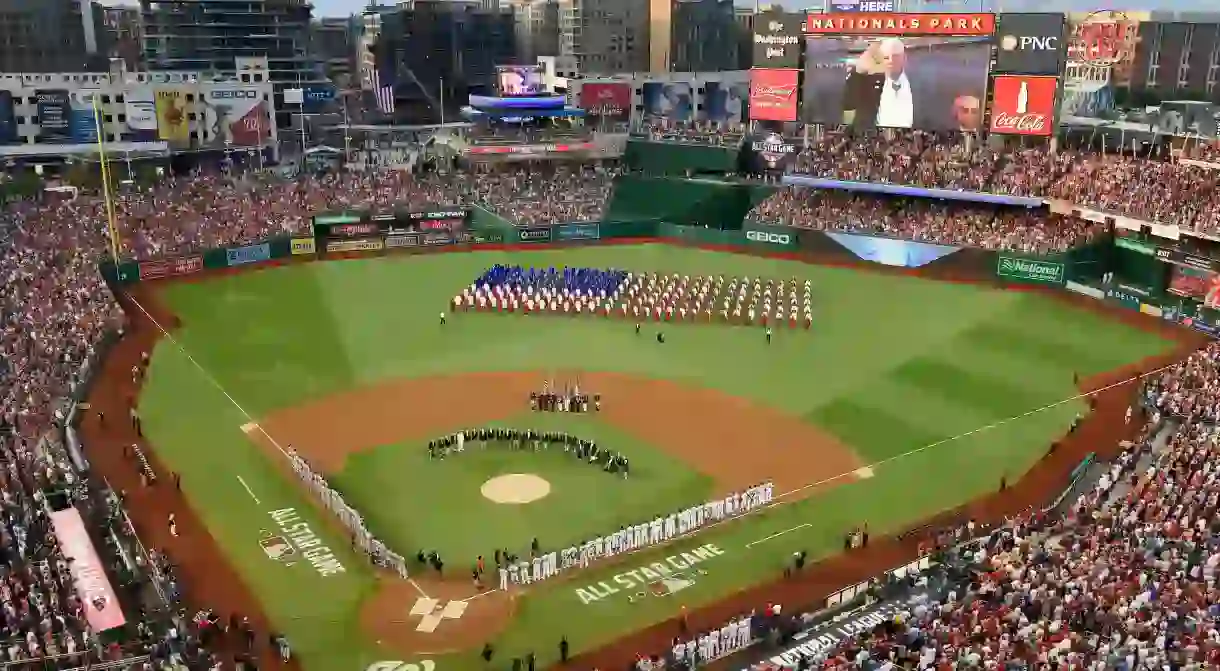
[
  {"x": 725, "y": 102},
  {"x": 1030, "y": 44},
  {"x": 669, "y": 100},
  {"x": 1022, "y": 105},
  {"x": 519, "y": 80},
  {"x": 888, "y": 252},
  {"x": 777, "y": 40},
  {"x": 861, "y": 6},
  {"x": 8, "y": 119},
  {"x": 101, "y": 605},
  {"x": 900, "y": 71},
  {"x": 774, "y": 95},
  {"x": 54, "y": 114},
  {"x": 606, "y": 99},
  {"x": 82, "y": 123},
  {"x": 315, "y": 96},
  {"x": 141, "y": 109},
  {"x": 236, "y": 116},
  {"x": 173, "y": 120}
]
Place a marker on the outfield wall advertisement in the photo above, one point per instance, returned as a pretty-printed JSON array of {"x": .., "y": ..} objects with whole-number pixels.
[{"x": 360, "y": 233}]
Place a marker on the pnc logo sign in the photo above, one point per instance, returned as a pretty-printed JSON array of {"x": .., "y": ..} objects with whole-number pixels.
[
  {"x": 769, "y": 238},
  {"x": 1029, "y": 43}
]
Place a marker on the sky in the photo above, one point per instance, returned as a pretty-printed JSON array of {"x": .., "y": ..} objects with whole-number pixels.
[{"x": 346, "y": 7}]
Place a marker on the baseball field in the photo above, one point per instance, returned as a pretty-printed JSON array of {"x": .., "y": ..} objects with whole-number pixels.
[{"x": 907, "y": 397}]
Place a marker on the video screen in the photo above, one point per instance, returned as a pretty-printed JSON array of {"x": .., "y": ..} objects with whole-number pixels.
[
  {"x": 518, "y": 80},
  {"x": 928, "y": 83},
  {"x": 1200, "y": 285}
]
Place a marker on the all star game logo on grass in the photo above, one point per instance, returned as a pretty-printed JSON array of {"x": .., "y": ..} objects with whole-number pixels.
[
  {"x": 294, "y": 539},
  {"x": 660, "y": 578}
]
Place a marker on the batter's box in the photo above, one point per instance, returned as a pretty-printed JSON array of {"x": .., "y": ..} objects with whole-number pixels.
[{"x": 432, "y": 613}]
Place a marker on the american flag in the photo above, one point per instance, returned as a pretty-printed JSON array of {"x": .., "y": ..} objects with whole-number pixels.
[{"x": 383, "y": 89}]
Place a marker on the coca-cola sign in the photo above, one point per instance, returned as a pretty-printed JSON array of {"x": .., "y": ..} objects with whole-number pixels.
[
  {"x": 1023, "y": 105},
  {"x": 1020, "y": 124},
  {"x": 773, "y": 95}
]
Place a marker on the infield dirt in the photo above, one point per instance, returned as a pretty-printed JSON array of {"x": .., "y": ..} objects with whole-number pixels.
[{"x": 208, "y": 580}]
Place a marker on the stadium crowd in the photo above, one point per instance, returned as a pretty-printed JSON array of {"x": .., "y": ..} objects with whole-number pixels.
[{"x": 959, "y": 224}]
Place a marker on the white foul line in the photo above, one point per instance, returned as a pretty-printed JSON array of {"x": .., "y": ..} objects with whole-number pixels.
[
  {"x": 777, "y": 535},
  {"x": 249, "y": 491},
  {"x": 250, "y": 422}
]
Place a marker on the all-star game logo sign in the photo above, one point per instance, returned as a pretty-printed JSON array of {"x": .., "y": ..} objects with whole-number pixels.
[{"x": 773, "y": 151}]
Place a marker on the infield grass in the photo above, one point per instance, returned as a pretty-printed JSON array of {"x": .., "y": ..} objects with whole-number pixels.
[
  {"x": 400, "y": 486},
  {"x": 893, "y": 365}
]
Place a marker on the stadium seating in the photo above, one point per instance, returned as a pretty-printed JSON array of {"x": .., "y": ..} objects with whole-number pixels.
[{"x": 1139, "y": 555}]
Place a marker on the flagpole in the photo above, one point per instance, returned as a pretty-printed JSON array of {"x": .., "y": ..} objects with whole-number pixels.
[
  {"x": 112, "y": 228},
  {"x": 302, "y": 122},
  {"x": 442, "y": 101},
  {"x": 347, "y": 132}
]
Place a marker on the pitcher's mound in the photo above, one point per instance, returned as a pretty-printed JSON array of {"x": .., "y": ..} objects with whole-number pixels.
[{"x": 516, "y": 488}]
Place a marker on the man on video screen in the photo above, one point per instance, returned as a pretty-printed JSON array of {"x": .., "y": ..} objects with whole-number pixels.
[{"x": 880, "y": 93}]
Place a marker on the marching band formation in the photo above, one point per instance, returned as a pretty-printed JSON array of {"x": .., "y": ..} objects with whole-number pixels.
[{"x": 647, "y": 296}]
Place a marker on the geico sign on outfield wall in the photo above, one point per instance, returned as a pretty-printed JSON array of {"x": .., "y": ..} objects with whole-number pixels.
[{"x": 769, "y": 238}]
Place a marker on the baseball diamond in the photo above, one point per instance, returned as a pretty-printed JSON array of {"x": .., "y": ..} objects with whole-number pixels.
[{"x": 327, "y": 399}]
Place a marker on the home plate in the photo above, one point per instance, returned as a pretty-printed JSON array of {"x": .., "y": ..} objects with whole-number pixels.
[
  {"x": 864, "y": 472},
  {"x": 249, "y": 427}
]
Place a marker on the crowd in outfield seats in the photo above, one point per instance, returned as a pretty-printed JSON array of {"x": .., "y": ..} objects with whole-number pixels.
[{"x": 959, "y": 224}]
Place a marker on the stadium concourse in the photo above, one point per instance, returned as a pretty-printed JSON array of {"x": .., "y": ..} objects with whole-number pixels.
[{"x": 1146, "y": 559}]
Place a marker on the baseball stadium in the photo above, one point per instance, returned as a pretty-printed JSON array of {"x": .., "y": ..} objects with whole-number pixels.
[
  {"x": 288, "y": 398},
  {"x": 765, "y": 395}
]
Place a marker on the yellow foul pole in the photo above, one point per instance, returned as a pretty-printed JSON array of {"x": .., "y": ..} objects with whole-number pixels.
[{"x": 111, "y": 227}]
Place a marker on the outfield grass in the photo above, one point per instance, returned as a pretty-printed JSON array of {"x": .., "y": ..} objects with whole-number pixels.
[
  {"x": 400, "y": 487},
  {"x": 892, "y": 365}
]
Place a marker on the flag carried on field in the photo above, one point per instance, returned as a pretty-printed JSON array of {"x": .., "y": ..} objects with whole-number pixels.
[{"x": 383, "y": 89}]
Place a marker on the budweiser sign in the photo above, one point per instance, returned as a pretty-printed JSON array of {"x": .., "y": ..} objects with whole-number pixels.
[
  {"x": 1021, "y": 124},
  {"x": 1023, "y": 105},
  {"x": 773, "y": 94}
]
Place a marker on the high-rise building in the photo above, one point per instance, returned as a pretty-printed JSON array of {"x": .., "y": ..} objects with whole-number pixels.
[
  {"x": 693, "y": 36},
  {"x": 208, "y": 35},
  {"x": 608, "y": 37},
  {"x": 439, "y": 50},
  {"x": 537, "y": 25},
  {"x": 125, "y": 34},
  {"x": 605, "y": 37},
  {"x": 52, "y": 36},
  {"x": 334, "y": 44}
]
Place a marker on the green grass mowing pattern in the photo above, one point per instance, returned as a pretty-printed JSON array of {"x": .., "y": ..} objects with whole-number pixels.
[
  {"x": 401, "y": 489},
  {"x": 278, "y": 337}
]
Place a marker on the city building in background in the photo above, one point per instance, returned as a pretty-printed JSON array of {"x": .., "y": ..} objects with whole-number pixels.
[
  {"x": 334, "y": 42},
  {"x": 140, "y": 114},
  {"x": 702, "y": 36},
  {"x": 1175, "y": 55},
  {"x": 537, "y": 26},
  {"x": 52, "y": 36},
  {"x": 209, "y": 36},
  {"x": 370, "y": 31},
  {"x": 605, "y": 37},
  {"x": 125, "y": 34},
  {"x": 436, "y": 52}
]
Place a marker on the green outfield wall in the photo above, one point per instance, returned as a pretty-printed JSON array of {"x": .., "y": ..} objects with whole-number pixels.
[
  {"x": 696, "y": 202},
  {"x": 679, "y": 159}
]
